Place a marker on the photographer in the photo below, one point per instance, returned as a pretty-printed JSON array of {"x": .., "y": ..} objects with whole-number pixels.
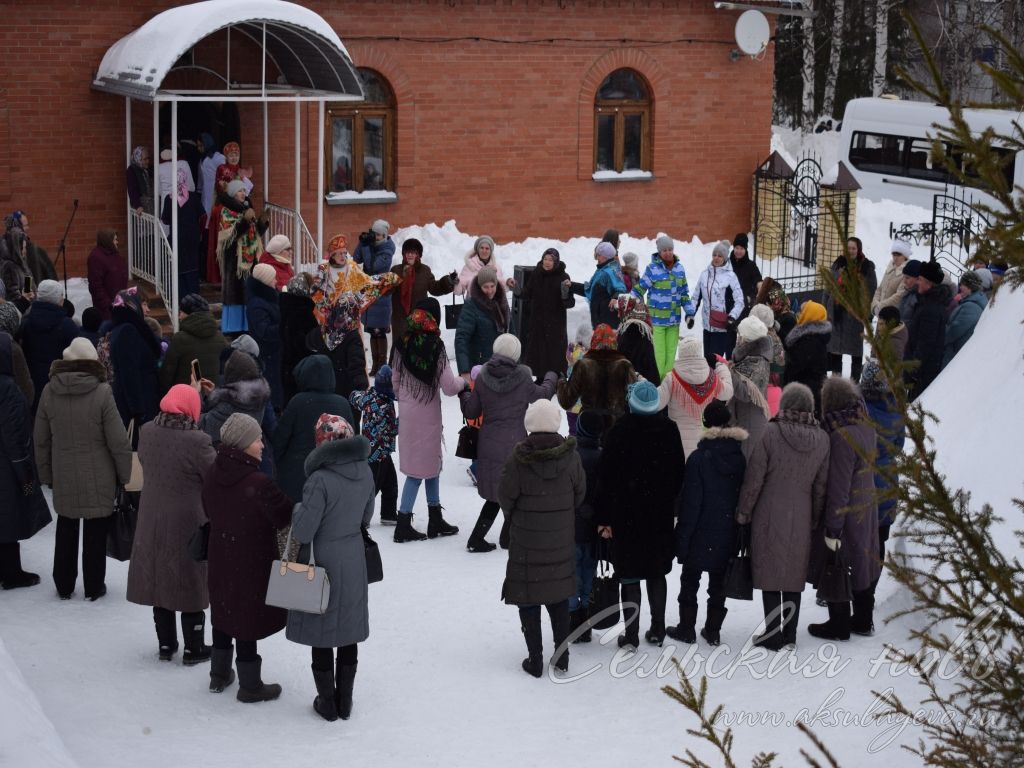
[{"x": 374, "y": 254}]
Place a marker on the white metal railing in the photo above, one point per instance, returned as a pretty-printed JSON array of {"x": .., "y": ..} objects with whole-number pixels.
[
  {"x": 288, "y": 222},
  {"x": 150, "y": 257}
]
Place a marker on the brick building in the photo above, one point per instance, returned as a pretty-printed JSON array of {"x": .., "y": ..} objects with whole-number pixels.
[{"x": 514, "y": 118}]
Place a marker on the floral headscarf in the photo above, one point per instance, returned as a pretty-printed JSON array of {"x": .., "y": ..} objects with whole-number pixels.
[
  {"x": 330, "y": 427},
  {"x": 130, "y": 298},
  {"x": 779, "y": 301},
  {"x": 137, "y": 154},
  {"x": 604, "y": 338},
  {"x": 182, "y": 187},
  {"x": 420, "y": 351}
]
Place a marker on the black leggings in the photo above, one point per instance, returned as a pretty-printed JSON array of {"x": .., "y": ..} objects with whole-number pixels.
[
  {"x": 348, "y": 655},
  {"x": 245, "y": 650},
  {"x": 856, "y": 365}
]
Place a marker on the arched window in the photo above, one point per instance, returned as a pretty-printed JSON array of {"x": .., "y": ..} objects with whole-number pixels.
[
  {"x": 622, "y": 123},
  {"x": 361, "y": 154}
]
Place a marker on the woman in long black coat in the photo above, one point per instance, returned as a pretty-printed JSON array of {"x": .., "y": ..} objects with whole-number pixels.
[
  {"x": 297, "y": 320},
  {"x": 264, "y": 314},
  {"x": 636, "y": 505},
  {"x": 807, "y": 356},
  {"x": 24, "y": 510},
  {"x": 135, "y": 357},
  {"x": 546, "y": 339}
]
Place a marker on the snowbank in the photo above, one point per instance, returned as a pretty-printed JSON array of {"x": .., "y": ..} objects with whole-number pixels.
[{"x": 27, "y": 737}]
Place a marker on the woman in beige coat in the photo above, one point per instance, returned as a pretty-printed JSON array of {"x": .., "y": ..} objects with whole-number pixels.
[
  {"x": 782, "y": 500},
  {"x": 82, "y": 451}
]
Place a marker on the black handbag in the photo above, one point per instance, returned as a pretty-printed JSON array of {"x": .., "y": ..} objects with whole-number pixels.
[
  {"x": 835, "y": 584},
  {"x": 199, "y": 544},
  {"x": 451, "y": 314},
  {"x": 374, "y": 566},
  {"x": 604, "y": 602},
  {"x": 739, "y": 573},
  {"x": 469, "y": 439},
  {"x": 121, "y": 531}
]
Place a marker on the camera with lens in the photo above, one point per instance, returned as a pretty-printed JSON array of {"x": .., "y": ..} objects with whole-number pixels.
[{"x": 367, "y": 238}]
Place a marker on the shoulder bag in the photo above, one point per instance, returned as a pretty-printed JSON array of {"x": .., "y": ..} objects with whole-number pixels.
[
  {"x": 451, "y": 314},
  {"x": 739, "y": 573},
  {"x": 134, "y": 484},
  {"x": 298, "y": 587},
  {"x": 374, "y": 566}
]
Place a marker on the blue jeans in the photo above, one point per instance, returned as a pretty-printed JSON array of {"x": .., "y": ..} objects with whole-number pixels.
[
  {"x": 411, "y": 489},
  {"x": 586, "y": 564}
]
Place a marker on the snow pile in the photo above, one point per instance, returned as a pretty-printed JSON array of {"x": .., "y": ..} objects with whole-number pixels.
[
  {"x": 27, "y": 737},
  {"x": 793, "y": 146}
]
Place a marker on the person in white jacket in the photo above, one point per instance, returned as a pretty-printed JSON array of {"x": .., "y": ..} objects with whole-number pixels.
[
  {"x": 721, "y": 302},
  {"x": 690, "y": 387}
]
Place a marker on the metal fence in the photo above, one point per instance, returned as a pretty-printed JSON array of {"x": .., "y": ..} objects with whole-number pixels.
[
  {"x": 288, "y": 222},
  {"x": 954, "y": 233},
  {"x": 150, "y": 258}
]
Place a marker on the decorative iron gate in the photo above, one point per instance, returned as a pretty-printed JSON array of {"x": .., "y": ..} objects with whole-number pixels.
[
  {"x": 953, "y": 234},
  {"x": 799, "y": 221}
]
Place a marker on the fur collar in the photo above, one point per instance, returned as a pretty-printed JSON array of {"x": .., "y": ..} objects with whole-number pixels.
[
  {"x": 347, "y": 451},
  {"x": 246, "y": 393},
  {"x": 261, "y": 291},
  {"x": 725, "y": 433},
  {"x": 761, "y": 347},
  {"x": 91, "y": 367},
  {"x": 839, "y": 394},
  {"x": 823, "y": 327}
]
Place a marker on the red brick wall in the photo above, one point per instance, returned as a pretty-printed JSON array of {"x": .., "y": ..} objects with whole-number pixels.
[{"x": 497, "y": 136}]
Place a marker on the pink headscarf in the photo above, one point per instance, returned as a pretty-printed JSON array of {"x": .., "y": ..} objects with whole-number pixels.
[{"x": 182, "y": 187}]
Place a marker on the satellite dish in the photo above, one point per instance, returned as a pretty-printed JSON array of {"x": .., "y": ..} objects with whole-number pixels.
[{"x": 752, "y": 32}]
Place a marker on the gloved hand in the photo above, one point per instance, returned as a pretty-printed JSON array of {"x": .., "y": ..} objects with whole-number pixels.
[
  {"x": 689, "y": 322},
  {"x": 453, "y": 276},
  {"x": 833, "y": 544},
  {"x": 731, "y": 323}
]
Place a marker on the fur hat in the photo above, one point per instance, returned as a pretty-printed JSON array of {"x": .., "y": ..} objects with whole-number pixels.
[
  {"x": 717, "y": 414},
  {"x": 665, "y": 243},
  {"x": 278, "y": 244},
  {"x": 193, "y": 302},
  {"x": 80, "y": 349},
  {"x": 604, "y": 251},
  {"x": 234, "y": 187},
  {"x": 604, "y": 337},
  {"x": 51, "y": 292},
  {"x": 487, "y": 274},
  {"x": 901, "y": 247},
  {"x": 266, "y": 274},
  {"x": 542, "y": 416},
  {"x": 240, "y": 430},
  {"x": 181, "y": 398},
  {"x": 838, "y": 394},
  {"x": 811, "y": 312},
  {"x": 412, "y": 245},
  {"x": 797, "y": 397},
  {"x": 241, "y": 366},
  {"x": 971, "y": 280},
  {"x": 508, "y": 345},
  {"x": 380, "y": 227},
  {"x": 932, "y": 272},
  {"x": 985, "y": 276},
  {"x": 643, "y": 398},
  {"x": 630, "y": 260},
  {"x": 751, "y": 329},
  {"x": 330, "y": 427},
  {"x": 912, "y": 268},
  {"x": 765, "y": 314},
  {"x": 247, "y": 344}
]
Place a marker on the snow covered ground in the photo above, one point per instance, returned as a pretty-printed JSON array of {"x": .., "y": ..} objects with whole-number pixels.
[{"x": 439, "y": 680}]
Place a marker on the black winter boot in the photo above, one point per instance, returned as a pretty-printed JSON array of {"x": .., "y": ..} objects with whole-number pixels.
[
  {"x": 685, "y": 631},
  {"x": 863, "y": 622},
  {"x": 404, "y": 530},
  {"x": 792, "y": 617},
  {"x": 12, "y": 576},
  {"x": 838, "y": 625},
  {"x": 251, "y": 688},
  {"x": 166, "y": 633},
  {"x": 193, "y": 630},
  {"x": 506, "y": 534},
  {"x": 221, "y": 673},
  {"x": 436, "y": 525},
  {"x": 559, "y": 615},
  {"x": 324, "y": 704},
  {"x": 657, "y": 593},
  {"x": 484, "y": 522},
  {"x": 586, "y": 635},
  {"x": 712, "y": 630},
  {"x": 631, "y": 593},
  {"x": 772, "y": 639},
  {"x": 343, "y": 693},
  {"x": 534, "y": 663},
  {"x": 378, "y": 353}
]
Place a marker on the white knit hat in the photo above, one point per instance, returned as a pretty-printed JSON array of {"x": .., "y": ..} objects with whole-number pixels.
[
  {"x": 751, "y": 329},
  {"x": 902, "y": 247},
  {"x": 543, "y": 416},
  {"x": 380, "y": 227},
  {"x": 80, "y": 349},
  {"x": 277, "y": 244},
  {"x": 51, "y": 292},
  {"x": 764, "y": 313},
  {"x": 508, "y": 345},
  {"x": 265, "y": 274}
]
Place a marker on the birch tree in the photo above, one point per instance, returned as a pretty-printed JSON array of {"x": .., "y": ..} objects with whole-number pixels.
[
  {"x": 835, "y": 53},
  {"x": 878, "y": 81},
  {"x": 807, "y": 71}
]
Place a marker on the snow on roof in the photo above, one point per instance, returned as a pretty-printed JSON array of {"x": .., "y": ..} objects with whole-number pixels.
[{"x": 306, "y": 50}]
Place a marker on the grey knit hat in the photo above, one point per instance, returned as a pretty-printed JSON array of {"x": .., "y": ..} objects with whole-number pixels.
[
  {"x": 246, "y": 343},
  {"x": 240, "y": 431},
  {"x": 797, "y": 397},
  {"x": 241, "y": 366},
  {"x": 380, "y": 227},
  {"x": 10, "y": 318},
  {"x": 665, "y": 243},
  {"x": 51, "y": 292}
]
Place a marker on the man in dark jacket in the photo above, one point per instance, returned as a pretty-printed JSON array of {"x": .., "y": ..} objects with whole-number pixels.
[
  {"x": 264, "y": 314},
  {"x": 198, "y": 338},
  {"x": 45, "y": 332},
  {"x": 375, "y": 256},
  {"x": 746, "y": 272},
  {"x": 590, "y": 427},
  {"x": 927, "y": 327}
]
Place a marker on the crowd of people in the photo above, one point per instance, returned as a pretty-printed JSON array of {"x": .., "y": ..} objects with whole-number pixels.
[{"x": 275, "y": 443}]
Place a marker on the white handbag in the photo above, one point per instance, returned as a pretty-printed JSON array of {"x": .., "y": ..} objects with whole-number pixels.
[
  {"x": 134, "y": 484},
  {"x": 298, "y": 587}
]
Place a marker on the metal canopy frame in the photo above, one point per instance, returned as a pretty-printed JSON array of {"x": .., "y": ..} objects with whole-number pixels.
[{"x": 262, "y": 92}]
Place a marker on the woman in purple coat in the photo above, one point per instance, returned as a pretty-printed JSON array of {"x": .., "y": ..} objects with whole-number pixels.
[
  {"x": 851, "y": 511},
  {"x": 503, "y": 390},
  {"x": 420, "y": 374}
]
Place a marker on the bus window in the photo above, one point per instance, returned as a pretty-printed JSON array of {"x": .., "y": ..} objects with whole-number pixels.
[
  {"x": 920, "y": 164},
  {"x": 878, "y": 153}
]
